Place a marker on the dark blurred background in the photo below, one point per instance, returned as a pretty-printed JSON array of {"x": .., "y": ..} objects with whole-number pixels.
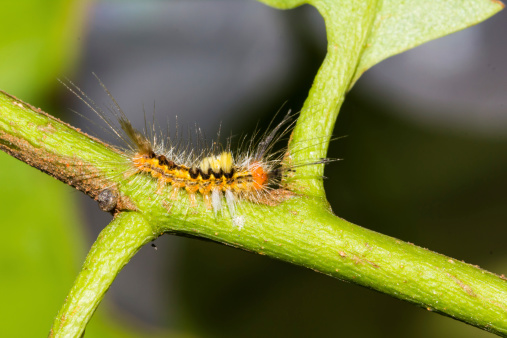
[{"x": 424, "y": 160}]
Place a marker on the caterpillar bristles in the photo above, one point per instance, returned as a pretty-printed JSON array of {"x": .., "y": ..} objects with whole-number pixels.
[{"x": 255, "y": 173}]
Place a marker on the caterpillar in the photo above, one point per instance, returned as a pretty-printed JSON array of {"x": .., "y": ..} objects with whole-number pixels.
[{"x": 254, "y": 172}]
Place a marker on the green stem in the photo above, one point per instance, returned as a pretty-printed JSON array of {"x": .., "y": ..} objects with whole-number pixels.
[
  {"x": 301, "y": 231},
  {"x": 307, "y": 234},
  {"x": 114, "y": 247},
  {"x": 346, "y": 42}
]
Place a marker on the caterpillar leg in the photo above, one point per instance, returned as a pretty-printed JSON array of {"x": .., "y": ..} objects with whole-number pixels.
[
  {"x": 174, "y": 193},
  {"x": 160, "y": 185},
  {"x": 207, "y": 201},
  {"x": 193, "y": 201},
  {"x": 192, "y": 189}
]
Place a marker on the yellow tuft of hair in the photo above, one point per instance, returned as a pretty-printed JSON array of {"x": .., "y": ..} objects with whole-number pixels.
[
  {"x": 222, "y": 162},
  {"x": 205, "y": 165},
  {"x": 226, "y": 161}
]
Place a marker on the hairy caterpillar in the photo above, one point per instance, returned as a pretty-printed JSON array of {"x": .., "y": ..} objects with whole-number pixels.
[{"x": 255, "y": 172}]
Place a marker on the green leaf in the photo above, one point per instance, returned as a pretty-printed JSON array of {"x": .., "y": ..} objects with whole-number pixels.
[
  {"x": 361, "y": 34},
  {"x": 38, "y": 43},
  {"x": 39, "y": 248},
  {"x": 400, "y": 24},
  {"x": 41, "y": 242}
]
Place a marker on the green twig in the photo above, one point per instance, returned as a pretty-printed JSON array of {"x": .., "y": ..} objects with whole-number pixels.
[
  {"x": 301, "y": 230},
  {"x": 114, "y": 247}
]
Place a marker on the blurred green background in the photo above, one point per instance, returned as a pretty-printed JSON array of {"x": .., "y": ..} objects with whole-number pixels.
[{"x": 424, "y": 161}]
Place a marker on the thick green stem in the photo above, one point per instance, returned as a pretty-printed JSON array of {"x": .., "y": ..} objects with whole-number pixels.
[
  {"x": 307, "y": 234},
  {"x": 301, "y": 231},
  {"x": 114, "y": 247}
]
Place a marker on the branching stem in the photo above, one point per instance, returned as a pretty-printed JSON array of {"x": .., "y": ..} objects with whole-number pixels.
[{"x": 302, "y": 230}]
